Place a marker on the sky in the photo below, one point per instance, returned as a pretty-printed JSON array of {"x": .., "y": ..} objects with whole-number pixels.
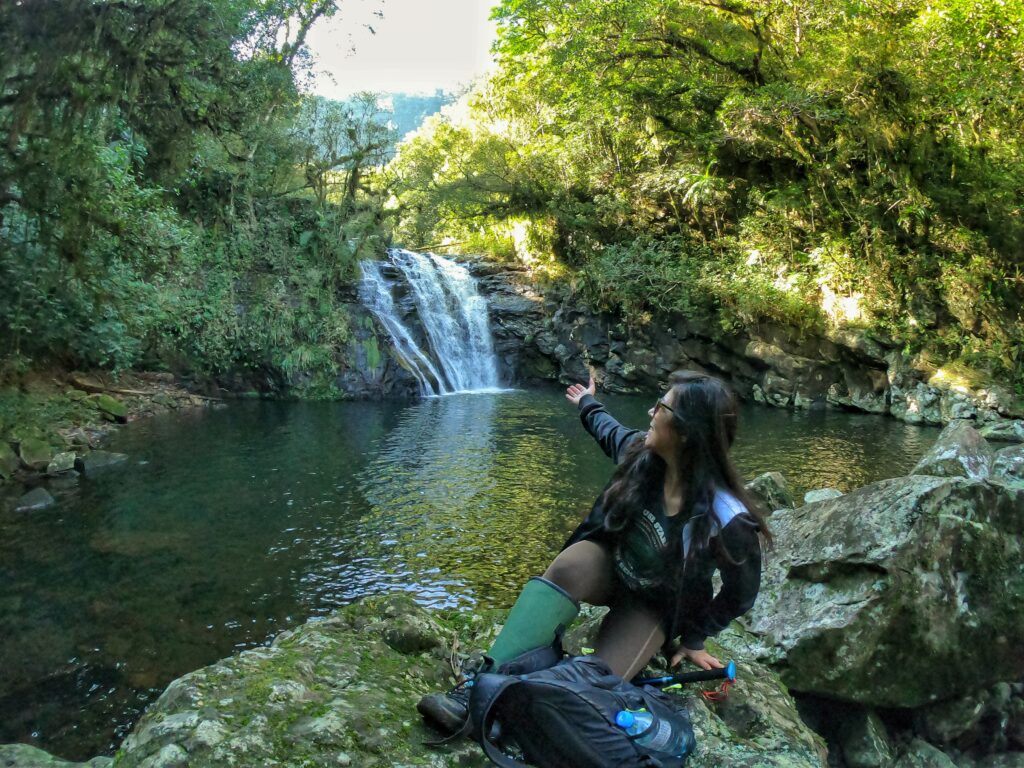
[{"x": 417, "y": 46}]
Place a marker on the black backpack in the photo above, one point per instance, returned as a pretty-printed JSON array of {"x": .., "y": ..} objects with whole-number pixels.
[{"x": 564, "y": 717}]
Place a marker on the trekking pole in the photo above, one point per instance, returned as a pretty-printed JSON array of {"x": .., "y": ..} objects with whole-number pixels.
[{"x": 728, "y": 673}]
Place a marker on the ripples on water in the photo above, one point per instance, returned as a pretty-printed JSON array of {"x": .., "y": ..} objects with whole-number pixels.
[{"x": 232, "y": 525}]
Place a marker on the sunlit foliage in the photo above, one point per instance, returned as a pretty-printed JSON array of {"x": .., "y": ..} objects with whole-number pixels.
[{"x": 856, "y": 162}]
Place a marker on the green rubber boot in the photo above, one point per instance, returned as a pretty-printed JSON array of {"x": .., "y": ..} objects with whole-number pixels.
[{"x": 543, "y": 608}]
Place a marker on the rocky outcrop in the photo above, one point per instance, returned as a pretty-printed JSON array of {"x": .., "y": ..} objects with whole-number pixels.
[
  {"x": 959, "y": 451},
  {"x": 550, "y": 334},
  {"x": 341, "y": 691},
  {"x": 901, "y": 593}
]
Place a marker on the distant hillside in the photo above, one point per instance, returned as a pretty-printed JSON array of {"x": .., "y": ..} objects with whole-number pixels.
[{"x": 407, "y": 111}]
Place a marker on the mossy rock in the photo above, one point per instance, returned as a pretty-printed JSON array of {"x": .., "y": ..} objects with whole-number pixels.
[
  {"x": 111, "y": 408},
  {"x": 9, "y": 462},
  {"x": 62, "y": 462},
  {"x": 25, "y": 756},
  {"x": 162, "y": 398},
  {"x": 337, "y": 691},
  {"x": 35, "y": 453}
]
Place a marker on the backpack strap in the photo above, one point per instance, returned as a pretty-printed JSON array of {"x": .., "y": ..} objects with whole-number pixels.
[{"x": 487, "y": 689}]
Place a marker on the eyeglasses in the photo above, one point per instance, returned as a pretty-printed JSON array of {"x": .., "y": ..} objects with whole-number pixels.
[{"x": 662, "y": 404}]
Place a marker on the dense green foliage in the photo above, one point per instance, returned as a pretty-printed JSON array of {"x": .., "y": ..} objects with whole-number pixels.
[
  {"x": 168, "y": 197},
  {"x": 856, "y": 162}
]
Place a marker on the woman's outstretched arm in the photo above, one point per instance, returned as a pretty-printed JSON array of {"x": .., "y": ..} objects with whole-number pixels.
[{"x": 609, "y": 433}]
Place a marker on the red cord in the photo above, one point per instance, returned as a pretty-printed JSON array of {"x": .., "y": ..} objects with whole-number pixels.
[{"x": 720, "y": 695}]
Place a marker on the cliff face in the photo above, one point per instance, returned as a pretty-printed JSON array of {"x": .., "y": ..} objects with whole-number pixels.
[{"x": 551, "y": 335}]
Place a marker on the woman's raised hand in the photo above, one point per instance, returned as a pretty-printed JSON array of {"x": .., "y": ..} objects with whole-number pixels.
[
  {"x": 701, "y": 658},
  {"x": 575, "y": 392}
]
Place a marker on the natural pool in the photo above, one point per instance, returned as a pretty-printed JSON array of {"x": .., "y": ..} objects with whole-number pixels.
[{"x": 228, "y": 526}]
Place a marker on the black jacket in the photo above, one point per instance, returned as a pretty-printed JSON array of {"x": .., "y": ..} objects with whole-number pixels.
[{"x": 696, "y": 612}]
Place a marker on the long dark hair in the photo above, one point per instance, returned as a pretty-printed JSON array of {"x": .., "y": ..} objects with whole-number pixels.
[{"x": 704, "y": 414}]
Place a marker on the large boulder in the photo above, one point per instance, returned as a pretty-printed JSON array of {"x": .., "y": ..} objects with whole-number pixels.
[
  {"x": 342, "y": 691},
  {"x": 901, "y": 593},
  {"x": 959, "y": 451}
]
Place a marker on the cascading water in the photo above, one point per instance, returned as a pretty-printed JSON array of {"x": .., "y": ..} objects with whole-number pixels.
[{"x": 459, "y": 355}]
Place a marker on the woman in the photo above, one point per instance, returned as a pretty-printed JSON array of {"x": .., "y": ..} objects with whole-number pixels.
[{"x": 674, "y": 512}]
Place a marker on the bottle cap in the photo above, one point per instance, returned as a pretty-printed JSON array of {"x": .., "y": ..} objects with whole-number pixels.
[{"x": 624, "y": 719}]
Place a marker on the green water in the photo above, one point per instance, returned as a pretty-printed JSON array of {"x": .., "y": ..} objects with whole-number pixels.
[{"x": 228, "y": 526}]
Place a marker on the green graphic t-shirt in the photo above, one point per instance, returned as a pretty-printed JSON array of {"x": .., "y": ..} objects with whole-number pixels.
[{"x": 640, "y": 551}]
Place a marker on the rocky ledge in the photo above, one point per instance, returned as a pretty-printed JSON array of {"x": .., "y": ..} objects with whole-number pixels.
[{"x": 549, "y": 333}]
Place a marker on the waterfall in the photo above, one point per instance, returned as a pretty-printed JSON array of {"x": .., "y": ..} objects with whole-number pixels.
[{"x": 457, "y": 353}]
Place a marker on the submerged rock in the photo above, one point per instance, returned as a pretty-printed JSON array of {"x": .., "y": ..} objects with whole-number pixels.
[
  {"x": 959, "y": 451},
  {"x": 34, "y": 500},
  {"x": 899, "y": 594},
  {"x": 98, "y": 461},
  {"x": 342, "y": 691}
]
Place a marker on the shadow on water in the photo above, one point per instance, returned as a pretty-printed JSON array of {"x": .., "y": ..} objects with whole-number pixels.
[{"x": 229, "y": 526}]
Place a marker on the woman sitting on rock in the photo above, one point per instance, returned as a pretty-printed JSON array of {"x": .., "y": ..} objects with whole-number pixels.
[{"x": 674, "y": 511}]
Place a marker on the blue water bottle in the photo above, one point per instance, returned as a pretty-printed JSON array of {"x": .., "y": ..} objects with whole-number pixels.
[{"x": 652, "y": 733}]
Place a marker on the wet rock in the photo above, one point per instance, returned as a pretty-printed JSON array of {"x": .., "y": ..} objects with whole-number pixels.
[
  {"x": 35, "y": 453},
  {"x": 111, "y": 408},
  {"x": 1004, "y": 431},
  {"x": 34, "y": 500},
  {"x": 162, "y": 398},
  {"x": 915, "y": 402},
  {"x": 864, "y": 741},
  {"x": 772, "y": 491},
  {"x": 901, "y": 593},
  {"x": 95, "y": 462},
  {"x": 821, "y": 494},
  {"x": 62, "y": 462},
  {"x": 1008, "y": 466},
  {"x": 25, "y": 756},
  {"x": 336, "y": 692},
  {"x": 861, "y": 389},
  {"x": 959, "y": 451},
  {"x": 921, "y": 754}
]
